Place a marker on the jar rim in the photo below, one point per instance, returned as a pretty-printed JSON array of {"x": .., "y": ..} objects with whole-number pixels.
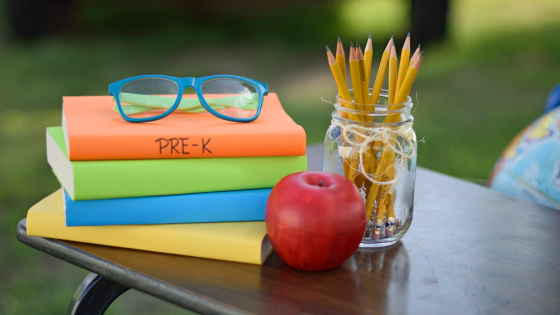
[
  {"x": 374, "y": 113},
  {"x": 385, "y": 93},
  {"x": 401, "y": 123}
]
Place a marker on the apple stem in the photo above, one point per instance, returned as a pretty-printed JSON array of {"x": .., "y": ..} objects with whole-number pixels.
[{"x": 321, "y": 183}]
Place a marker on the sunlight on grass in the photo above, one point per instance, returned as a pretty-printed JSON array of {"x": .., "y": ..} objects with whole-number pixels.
[
  {"x": 468, "y": 19},
  {"x": 381, "y": 18},
  {"x": 480, "y": 18}
]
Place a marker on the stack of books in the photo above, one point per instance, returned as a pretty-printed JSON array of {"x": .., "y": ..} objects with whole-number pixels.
[{"x": 188, "y": 184}]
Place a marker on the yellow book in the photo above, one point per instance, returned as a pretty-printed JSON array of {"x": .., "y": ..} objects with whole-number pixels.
[{"x": 234, "y": 241}]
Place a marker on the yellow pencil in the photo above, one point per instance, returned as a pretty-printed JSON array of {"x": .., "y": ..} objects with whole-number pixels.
[
  {"x": 345, "y": 95},
  {"x": 379, "y": 175},
  {"x": 355, "y": 76},
  {"x": 341, "y": 83},
  {"x": 403, "y": 66},
  {"x": 392, "y": 86},
  {"x": 357, "y": 86},
  {"x": 370, "y": 199},
  {"x": 389, "y": 230},
  {"x": 383, "y": 200},
  {"x": 385, "y": 170},
  {"x": 341, "y": 64},
  {"x": 365, "y": 88},
  {"x": 392, "y": 75},
  {"x": 407, "y": 84},
  {"x": 387, "y": 157},
  {"x": 340, "y": 58},
  {"x": 368, "y": 158},
  {"x": 368, "y": 56},
  {"x": 414, "y": 57},
  {"x": 381, "y": 73},
  {"x": 378, "y": 84}
]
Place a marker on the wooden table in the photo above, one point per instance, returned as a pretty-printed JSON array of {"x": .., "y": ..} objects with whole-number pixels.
[{"x": 470, "y": 250}]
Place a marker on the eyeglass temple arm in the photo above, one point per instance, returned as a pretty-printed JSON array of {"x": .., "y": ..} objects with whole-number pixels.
[{"x": 265, "y": 86}]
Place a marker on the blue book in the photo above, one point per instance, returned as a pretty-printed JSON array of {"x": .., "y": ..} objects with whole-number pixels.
[{"x": 224, "y": 206}]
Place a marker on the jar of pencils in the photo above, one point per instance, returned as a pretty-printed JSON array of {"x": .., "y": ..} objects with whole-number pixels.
[{"x": 375, "y": 147}]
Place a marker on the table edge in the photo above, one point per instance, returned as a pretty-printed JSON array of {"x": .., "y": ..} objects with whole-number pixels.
[{"x": 128, "y": 277}]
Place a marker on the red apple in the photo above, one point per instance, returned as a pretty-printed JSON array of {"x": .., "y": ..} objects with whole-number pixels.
[{"x": 315, "y": 220}]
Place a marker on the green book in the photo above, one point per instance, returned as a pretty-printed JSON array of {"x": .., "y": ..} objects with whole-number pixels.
[{"x": 87, "y": 180}]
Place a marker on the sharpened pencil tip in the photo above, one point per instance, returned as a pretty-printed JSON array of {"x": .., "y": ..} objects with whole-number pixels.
[
  {"x": 351, "y": 44},
  {"x": 328, "y": 49},
  {"x": 369, "y": 36},
  {"x": 358, "y": 44},
  {"x": 420, "y": 45},
  {"x": 421, "y": 53},
  {"x": 408, "y": 34},
  {"x": 392, "y": 37},
  {"x": 339, "y": 39}
]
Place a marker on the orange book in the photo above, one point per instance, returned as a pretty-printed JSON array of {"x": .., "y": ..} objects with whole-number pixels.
[{"x": 94, "y": 131}]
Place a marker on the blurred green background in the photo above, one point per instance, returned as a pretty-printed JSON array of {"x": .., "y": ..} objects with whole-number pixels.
[{"x": 476, "y": 90}]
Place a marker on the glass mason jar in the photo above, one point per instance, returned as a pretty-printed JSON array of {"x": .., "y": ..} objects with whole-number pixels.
[{"x": 375, "y": 147}]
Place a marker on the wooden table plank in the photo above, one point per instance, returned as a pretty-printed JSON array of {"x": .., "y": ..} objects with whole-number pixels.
[{"x": 469, "y": 250}]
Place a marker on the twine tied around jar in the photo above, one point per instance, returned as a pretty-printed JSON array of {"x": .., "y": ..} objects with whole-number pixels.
[{"x": 365, "y": 136}]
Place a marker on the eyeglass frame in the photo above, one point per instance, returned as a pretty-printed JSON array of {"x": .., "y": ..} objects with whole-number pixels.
[{"x": 182, "y": 85}]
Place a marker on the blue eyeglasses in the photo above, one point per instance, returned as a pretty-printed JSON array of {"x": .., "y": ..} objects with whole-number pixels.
[{"x": 152, "y": 97}]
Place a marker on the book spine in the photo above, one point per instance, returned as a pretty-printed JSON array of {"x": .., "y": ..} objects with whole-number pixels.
[
  {"x": 229, "y": 206},
  {"x": 138, "y": 178},
  {"x": 259, "y": 138},
  {"x": 138, "y": 147},
  {"x": 233, "y": 241}
]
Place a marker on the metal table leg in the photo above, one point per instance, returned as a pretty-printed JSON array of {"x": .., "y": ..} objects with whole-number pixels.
[{"x": 94, "y": 295}]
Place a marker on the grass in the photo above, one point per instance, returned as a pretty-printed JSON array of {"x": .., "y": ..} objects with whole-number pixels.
[{"x": 473, "y": 96}]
